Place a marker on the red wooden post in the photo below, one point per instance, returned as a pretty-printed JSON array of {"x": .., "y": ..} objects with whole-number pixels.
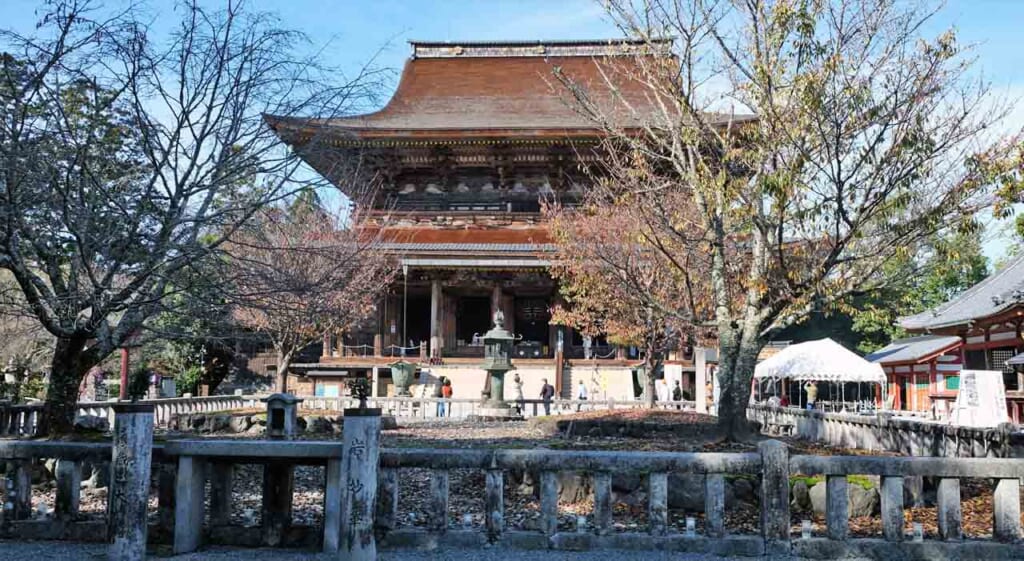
[{"x": 122, "y": 393}]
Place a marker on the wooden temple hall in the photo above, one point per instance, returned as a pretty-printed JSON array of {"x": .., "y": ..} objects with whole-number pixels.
[{"x": 475, "y": 138}]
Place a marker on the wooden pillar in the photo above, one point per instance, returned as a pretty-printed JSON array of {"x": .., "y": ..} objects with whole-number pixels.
[{"x": 435, "y": 318}]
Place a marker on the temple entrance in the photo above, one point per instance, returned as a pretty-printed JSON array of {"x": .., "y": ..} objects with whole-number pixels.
[
  {"x": 418, "y": 321},
  {"x": 472, "y": 317},
  {"x": 532, "y": 319}
]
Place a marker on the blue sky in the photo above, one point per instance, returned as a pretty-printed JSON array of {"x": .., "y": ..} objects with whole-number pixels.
[{"x": 353, "y": 31}]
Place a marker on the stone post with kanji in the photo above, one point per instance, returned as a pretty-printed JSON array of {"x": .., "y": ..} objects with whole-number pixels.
[
  {"x": 129, "y": 481},
  {"x": 360, "y": 458}
]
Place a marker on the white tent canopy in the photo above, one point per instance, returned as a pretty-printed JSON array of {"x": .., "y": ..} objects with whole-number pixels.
[{"x": 821, "y": 360}]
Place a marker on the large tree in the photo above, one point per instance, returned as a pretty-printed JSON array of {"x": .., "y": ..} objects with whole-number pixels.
[
  {"x": 814, "y": 142},
  {"x": 298, "y": 272},
  {"x": 126, "y": 159}
]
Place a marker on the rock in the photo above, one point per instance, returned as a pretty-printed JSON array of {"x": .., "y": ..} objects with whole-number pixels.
[
  {"x": 573, "y": 487},
  {"x": 863, "y": 502},
  {"x": 388, "y": 422},
  {"x": 801, "y": 498},
  {"x": 319, "y": 425},
  {"x": 300, "y": 424},
  {"x": 220, "y": 423},
  {"x": 627, "y": 483},
  {"x": 742, "y": 490},
  {"x": 197, "y": 422},
  {"x": 240, "y": 423},
  {"x": 89, "y": 423},
  {"x": 686, "y": 491},
  {"x": 256, "y": 430}
]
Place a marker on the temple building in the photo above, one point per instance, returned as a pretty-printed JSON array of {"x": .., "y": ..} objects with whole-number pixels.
[
  {"x": 979, "y": 329},
  {"x": 475, "y": 139}
]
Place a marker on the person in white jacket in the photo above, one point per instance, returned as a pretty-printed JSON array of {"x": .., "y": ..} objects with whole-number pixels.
[{"x": 581, "y": 393}]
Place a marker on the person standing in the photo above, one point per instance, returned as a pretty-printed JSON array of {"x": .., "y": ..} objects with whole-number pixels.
[
  {"x": 517, "y": 387},
  {"x": 677, "y": 394},
  {"x": 547, "y": 391},
  {"x": 439, "y": 395},
  {"x": 446, "y": 393},
  {"x": 581, "y": 394},
  {"x": 812, "y": 394}
]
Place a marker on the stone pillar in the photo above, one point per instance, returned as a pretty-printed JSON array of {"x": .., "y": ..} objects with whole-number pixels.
[
  {"x": 360, "y": 460},
  {"x": 18, "y": 505},
  {"x": 435, "y": 318},
  {"x": 129, "y": 481},
  {"x": 278, "y": 490},
  {"x": 494, "y": 501},
  {"x": 549, "y": 502},
  {"x": 657, "y": 507},
  {"x": 774, "y": 496},
  {"x": 602, "y": 502},
  {"x": 221, "y": 479},
  {"x": 69, "y": 485},
  {"x": 948, "y": 509},
  {"x": 714, "y": 505},
  {"x": 700, "y": 366}
]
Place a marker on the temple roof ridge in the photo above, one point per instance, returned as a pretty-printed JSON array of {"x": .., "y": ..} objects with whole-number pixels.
[{"x": 537, "y": 48}]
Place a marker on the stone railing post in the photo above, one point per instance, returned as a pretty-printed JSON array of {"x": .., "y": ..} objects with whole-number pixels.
[
  {"x": 602, "y": 502},
  {"x": 775, "y": 497},
  {"x": 548, "y": 502},
  {"x": 129, "y": 481},
  {"x": 360, "y": 461},
  {"x": 1006, "y": 510},
  {"x": 18, "y": 504},
  {"x": 221, "y": 479},
  {"x": 387, "y": 500},
  {"x": 278, "y": 492},
  {"x": 892, "y": 508},
  {"x": 495, "y": 503},
  {"x": 657, "y": 506},
  {"x": 948, "y": 508},
  {"x": 438, "y": 515},
  {"x": 69, "y": 484},
  {"x": 714, "y": 505},
  {"x": 837, "y": 509}
]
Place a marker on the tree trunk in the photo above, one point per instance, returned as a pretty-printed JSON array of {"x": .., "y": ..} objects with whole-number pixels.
[
  {"x": 284, "y": 360},
  {"x": 66, "y": 371},
  {"x": 651, "y": 368},
  {"x": 737, "y": 358}
]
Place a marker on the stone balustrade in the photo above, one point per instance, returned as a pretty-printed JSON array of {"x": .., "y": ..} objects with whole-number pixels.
[
  {"x": 194, "y": 462},
  {"x": 882, "y": 431},
  {"x": 426, "y": 407}
]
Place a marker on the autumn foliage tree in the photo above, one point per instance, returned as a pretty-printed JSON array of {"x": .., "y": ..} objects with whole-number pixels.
[
  {"x": 128, "y": 157},
  {"x": 299, "y": 272},
  {"x": 793, "y": 151}
]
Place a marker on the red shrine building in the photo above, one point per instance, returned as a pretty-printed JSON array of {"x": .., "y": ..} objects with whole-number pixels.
[
  {"x": 475, "y": 138},
  {"x": 978, "y": 330}
]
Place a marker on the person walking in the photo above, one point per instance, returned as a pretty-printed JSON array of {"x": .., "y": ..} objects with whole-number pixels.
[
  {"x": 547, "y": 391},
  {"x": 446, "y": 393},
  {"x": 517, "y": 387},
  {"x": 581, "y": 394}
]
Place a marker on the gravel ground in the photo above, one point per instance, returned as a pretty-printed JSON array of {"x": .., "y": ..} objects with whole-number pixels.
[{"x": 63, "y": 551}]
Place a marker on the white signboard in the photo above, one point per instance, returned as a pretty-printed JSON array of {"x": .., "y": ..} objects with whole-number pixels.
[{"x": 981, "y": 401}]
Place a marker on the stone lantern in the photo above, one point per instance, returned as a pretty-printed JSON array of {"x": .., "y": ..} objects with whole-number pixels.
[
  {"x": 282, "y": 415},
  {"x": 497, "y": 352}
]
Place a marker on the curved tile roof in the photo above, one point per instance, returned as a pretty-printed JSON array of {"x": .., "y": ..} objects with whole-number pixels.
[
  {"x": 914, "y": 349},
  {"x": 1000, "y": 291},
  {"x": 500, "y": 89}
]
